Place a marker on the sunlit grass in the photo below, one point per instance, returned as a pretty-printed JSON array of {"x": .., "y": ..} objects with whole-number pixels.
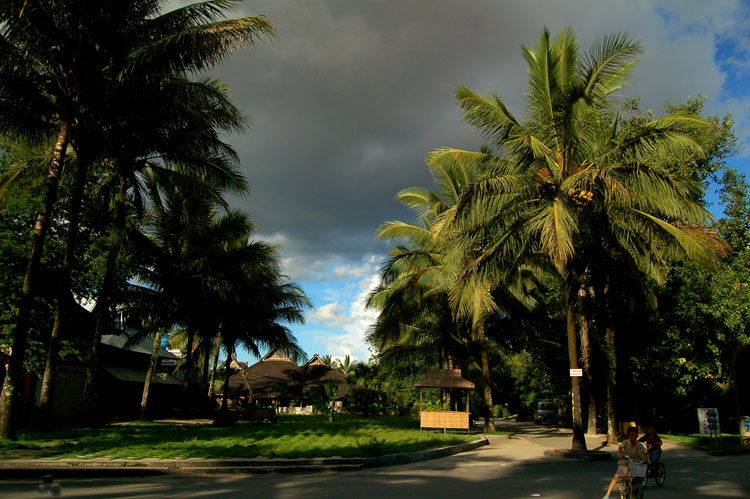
[
  {"x": 725, "y": 441},
  {"x": 293, "y": 436}
]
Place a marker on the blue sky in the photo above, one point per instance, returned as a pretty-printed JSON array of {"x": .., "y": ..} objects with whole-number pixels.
[{"x": 352, "y": 95}]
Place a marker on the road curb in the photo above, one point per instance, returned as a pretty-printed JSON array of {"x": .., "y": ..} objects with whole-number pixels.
[{"x": 36, "y": 468}]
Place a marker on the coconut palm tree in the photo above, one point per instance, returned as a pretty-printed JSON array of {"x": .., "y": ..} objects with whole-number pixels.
[
  {"x": 262, "y": 304},
  {"x": 179, "y": 144},
  {"x": 58, "y": 58},
  {"x": 418, "y": 279},
  {"x": 568, "y": 175}
]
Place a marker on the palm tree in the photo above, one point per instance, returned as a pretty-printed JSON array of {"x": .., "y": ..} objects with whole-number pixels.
[
  {"x": 345, "y": 367},
  {"x": 179, "y": 145},
  {"x": 57, "y": 58},
  {"x": 262, "y": 302},
  {"x": 423, "y": 272},
  {"x": 569, "y": 173},
  {"x": 239, "y": 286}
]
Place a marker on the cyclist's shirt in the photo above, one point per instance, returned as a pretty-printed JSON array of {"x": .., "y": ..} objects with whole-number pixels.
[
  {"x": 653, "y": 442},
  {"x": 636, "y": 452}
]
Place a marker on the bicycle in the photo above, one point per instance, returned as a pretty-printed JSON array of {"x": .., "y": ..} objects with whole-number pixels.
[
  {"x": 631, "y": 485},
  {"x": 656, "y": 471}
]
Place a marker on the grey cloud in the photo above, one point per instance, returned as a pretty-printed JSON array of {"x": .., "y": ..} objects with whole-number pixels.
[{"x": 352, "y": 95}]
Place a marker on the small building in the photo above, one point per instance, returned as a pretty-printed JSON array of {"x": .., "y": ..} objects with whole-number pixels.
[
  {"x": 277, "y": 380},
  {"x": 445, "y": 379},
  {"x": 123, "y": 367}
]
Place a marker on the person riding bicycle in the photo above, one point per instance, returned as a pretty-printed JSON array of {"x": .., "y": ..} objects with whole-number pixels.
[
  {"x": 632, "y": 450},
  {"x": 653, "y": 443}
]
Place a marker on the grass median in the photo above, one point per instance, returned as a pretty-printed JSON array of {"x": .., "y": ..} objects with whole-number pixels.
[
  {"x": 724, "y": 442},
  {"x": 291, "y": 437}
]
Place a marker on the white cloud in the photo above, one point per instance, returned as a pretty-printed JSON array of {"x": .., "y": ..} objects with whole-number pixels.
[{"x": 346, "y": 323}]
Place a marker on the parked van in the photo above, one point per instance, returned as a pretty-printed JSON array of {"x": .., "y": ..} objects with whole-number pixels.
[{"x": 546, "y": 411}]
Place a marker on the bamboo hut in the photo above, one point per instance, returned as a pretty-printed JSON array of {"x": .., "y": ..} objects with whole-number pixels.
[
  {"x": 276, "y": 380},
  {"x": 445, "y": 379}
]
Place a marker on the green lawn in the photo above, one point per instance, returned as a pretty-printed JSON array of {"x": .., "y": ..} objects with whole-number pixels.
[
  {"x": 293, "y": 436},
  {"x": 723, "y": 442}
]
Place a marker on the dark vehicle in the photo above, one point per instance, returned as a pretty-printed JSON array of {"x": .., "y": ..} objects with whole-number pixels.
[{"x": 546, "y": 412}]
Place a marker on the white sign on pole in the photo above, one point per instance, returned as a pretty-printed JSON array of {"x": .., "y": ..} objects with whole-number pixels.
[
  {"x": 576, "y": 373},
  {"x": 708, "y": 421}
]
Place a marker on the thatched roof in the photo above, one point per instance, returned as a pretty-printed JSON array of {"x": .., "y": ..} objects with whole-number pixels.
[
  {"x": 279, "y": 368},
  {"x": 276, "y": 354},
  {"x": 316, "y": 361},
  {"x": 444, "y": 378}
]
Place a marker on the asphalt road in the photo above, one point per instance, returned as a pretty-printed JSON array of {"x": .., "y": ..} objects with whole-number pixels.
[{"x": 509, "y": 468}]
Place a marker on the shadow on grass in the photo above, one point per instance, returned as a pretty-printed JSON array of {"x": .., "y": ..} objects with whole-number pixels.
[{"x": 293, "y": 436}]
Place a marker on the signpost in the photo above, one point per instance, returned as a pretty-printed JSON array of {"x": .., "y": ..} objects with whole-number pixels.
[
  {"x": 576, "y": 373},
  {"x": 745, "y": 431},
  {"x": 708, "y": 422}
]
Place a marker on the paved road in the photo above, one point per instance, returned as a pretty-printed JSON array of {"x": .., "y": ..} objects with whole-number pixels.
[{"x": 508, "y": 468}]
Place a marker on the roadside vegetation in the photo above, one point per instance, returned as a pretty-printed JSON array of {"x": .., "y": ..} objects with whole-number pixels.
[
  {"x": 724, "y": 442},
  {"x": 292, "y": 436}
]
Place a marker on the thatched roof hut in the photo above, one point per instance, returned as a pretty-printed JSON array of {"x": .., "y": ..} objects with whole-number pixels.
[
  {"x": 444, "y": 378},
  {"x": 276, "y": 376}
]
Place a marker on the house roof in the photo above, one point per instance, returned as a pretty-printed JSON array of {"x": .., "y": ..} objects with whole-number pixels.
[
  {"x": 297, "y": 379},
  {"x": 444, "y": 378},
  {"x": 139, "y": 376},
  {"x": 276, "y": 354},
  {"x": 143, "y": 346},
  {"x": 316, "y": 361}
]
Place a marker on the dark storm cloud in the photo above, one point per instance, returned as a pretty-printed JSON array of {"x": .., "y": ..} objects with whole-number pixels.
[{"x": 352, "y": 95}]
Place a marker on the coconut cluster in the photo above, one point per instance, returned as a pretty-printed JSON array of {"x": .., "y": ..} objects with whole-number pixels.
[{"x": 581, "y": 196}]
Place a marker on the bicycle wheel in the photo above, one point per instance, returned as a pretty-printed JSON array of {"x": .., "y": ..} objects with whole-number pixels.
[
  {"x": 636, "y": 491},
  {"x": 661, "y": 474}
]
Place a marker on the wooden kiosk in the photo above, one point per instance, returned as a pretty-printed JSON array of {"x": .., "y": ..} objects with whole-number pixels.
[{"x": 444, "y": 379}]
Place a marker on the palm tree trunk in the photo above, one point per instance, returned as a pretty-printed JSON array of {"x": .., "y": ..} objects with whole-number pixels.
[
  {"x": 62, "y": 313},
  {"x": 14, "y": 379},
  {"x": 579, "y": 440},
  {"x": 188, "y": 366},
  {"x": 244, "y": 376},
  {"x": 489, "y": 418},
  {"x": 586, "y": 356},
  {"x": 215, "y": 362},
  {"x": 609, "y": 338},
  {"x": 206, "y": 360},
  {"x": 227, "y": 373},
  {"x": 150, "y": 374},
  {"x": 102, "y": 310}
]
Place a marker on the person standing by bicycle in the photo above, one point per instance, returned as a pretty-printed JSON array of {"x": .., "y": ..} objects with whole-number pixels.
[
  {"x": 653, "y": 443},
  {"x": 629, "y": 450}
]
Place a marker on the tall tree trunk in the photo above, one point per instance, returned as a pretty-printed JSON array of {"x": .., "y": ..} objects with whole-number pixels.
[
  {"x": 14, "y": 378},
  {"x": 62, "y": 312},
  {"x": 244, "y": 376},
  {"x": 579, "y": 440},
  {"x": 188, "y": 366},
  {"x": 150, "y": 374},
  {"x": 583, "y": 301},
  {"x": 450, "y": 399},
  {"x": 212, "y": 381},
  {"x": 489, "y": 418},
  {"x": 227, "y": 373},
  {"x": 206, "y": 361},
  {"x": 609, "y": 339},
  {"x": 103, "y": 307}
]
